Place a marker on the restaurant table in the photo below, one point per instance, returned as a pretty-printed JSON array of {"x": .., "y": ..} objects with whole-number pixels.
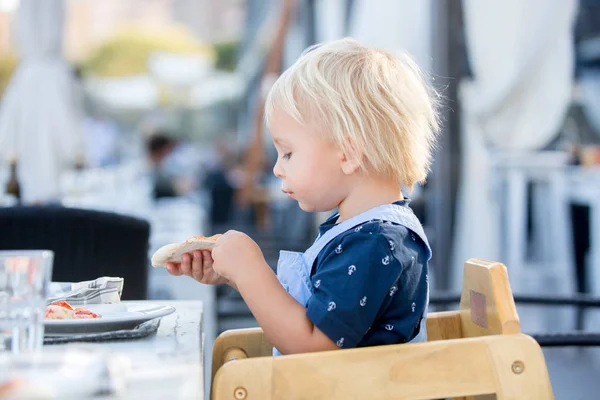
[{"x": 166, "y": 364}]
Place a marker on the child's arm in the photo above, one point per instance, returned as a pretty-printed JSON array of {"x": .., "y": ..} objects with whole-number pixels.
[{"x": 283, "y": 320}]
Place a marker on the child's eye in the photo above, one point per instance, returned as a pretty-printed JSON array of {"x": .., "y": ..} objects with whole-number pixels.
[{"x": 286, "y": 156}]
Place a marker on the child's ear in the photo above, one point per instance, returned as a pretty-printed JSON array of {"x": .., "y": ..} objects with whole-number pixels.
[{"x": 350, "y": 161}]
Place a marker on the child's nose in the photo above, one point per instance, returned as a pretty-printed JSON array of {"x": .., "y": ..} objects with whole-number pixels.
[{"x": 277, "y": 171}]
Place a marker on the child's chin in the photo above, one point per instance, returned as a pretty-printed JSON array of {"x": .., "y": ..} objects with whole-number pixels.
[
  {"x": 306, "y": 207},
  {"x": 310, "y": 207}
]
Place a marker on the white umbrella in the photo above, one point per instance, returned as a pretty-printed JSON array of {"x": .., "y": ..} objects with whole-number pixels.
[{"x": 39, "y": 114}]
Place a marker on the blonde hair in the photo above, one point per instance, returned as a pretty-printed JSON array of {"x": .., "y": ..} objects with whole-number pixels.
[{"x": 377, "y": 107}]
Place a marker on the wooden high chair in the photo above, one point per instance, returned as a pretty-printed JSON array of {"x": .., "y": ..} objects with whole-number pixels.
[{"x": 476, "y": 350}]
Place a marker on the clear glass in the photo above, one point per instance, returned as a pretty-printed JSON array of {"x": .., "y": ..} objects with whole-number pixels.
[{"x": 24, "y": 279}]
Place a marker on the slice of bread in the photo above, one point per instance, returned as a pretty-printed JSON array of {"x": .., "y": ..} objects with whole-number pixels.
[{"x": 173, "y": 252}]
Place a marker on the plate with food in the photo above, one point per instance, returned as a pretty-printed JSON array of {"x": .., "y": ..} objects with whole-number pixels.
[
  {"x": 172, "y": 252},
  {"x": 62, "y": 318}
]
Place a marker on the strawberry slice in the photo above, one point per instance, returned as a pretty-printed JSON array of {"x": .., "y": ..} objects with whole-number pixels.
[
  {"x": 62, "y": 304},
  {"x": 84, "y": 313}
]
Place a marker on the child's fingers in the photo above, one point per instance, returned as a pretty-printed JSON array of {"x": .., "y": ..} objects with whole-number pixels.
[
  {"x": 207, "y": 259},
  {"x": 173, "y": 269},
  {"x": 186, "y": 264},
  {"x": 197, "y": 268}
]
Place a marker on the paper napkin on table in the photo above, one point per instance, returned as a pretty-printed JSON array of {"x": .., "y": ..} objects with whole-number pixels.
[{"x": 104, "y": 290}]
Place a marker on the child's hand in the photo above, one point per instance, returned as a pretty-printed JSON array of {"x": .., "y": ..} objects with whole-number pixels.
[
  {"x": 234, "y": 254},
  {"x": 198, "y": 265}
]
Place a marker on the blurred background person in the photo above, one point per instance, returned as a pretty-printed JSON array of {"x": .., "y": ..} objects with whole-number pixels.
[{"x": 159, "y": 146}]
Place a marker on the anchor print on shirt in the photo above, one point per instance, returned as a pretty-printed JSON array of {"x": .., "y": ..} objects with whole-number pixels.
[
  {"x": 393, "y": 290},
  {"x": 340, "y": 342},
  {"x": 413, "y": 306},
  {"x": 392, "y": 246},
  {"x": 363, "y": 301},
  {"x": 331, "y": 306},
  {"x": 338, "y": 250},
  {"x": 351, "y": 269},
  {"x": 389, "y": 327},
  {"x": 385, "y": 260},
  {"x": 358, "y": 229},
  {"x": 318, "y": 283}
]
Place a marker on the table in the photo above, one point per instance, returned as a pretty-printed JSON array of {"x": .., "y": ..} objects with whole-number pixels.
[
  {"x": 166, "y": 365},
  {"x": 584, "y": 189},
  {"x": 546, "y": 264},
  {"x": 171, "y": 288}
]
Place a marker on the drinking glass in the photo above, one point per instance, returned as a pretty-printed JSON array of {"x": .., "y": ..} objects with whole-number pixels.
[{"x": 24, "y": 279}]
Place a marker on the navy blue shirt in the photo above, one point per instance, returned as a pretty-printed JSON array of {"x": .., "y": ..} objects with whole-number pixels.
[{"x": 370, "y": 284}]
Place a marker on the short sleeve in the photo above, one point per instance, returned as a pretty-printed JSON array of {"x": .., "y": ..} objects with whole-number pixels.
[{"x": 351, "y": 283}]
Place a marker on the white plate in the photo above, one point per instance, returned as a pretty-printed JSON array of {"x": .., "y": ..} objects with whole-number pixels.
[{"x": 113, "y": 317}]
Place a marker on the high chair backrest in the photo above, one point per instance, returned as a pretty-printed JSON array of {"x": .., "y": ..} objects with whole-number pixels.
[{"x": 487, "y": 306}]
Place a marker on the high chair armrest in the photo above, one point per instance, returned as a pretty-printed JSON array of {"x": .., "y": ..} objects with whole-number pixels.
[
  {"x": 512, "y": 366},
  {"x": 237, "y": 344}
]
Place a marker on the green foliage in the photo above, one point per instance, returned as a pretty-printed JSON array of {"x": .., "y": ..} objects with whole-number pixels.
[
  {"x": 127, "y": 52},
  {"x": 8, "y": 63},
  {"x": 226, "y": 55}
]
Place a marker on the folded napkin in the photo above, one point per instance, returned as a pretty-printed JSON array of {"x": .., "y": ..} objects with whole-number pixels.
[{"x": 104, "y": 290}]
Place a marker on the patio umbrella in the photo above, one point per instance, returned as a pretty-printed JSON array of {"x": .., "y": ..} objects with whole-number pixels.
[{"x": 39, "y": 115}]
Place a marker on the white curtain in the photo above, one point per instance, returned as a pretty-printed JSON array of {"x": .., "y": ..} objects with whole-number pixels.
[
  {"x": 395, "y": 25},
  {"x": 521, "y": 54},
  {"x": 39, "y": 119},
  {"x": 329, "y": 19}
]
